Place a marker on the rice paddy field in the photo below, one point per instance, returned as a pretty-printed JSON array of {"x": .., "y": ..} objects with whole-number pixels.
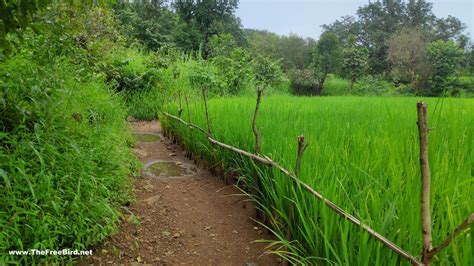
[{"x": 363, "y": 155}]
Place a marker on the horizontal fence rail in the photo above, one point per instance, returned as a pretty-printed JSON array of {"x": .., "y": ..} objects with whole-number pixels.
[{"x": 269, "y": 162}]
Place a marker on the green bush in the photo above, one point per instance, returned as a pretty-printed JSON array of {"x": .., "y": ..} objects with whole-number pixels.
[
  {"x": 373, "y": 85},
  {"x": 465, "y": 86},
  {"x": 337, "y": 86},
  {"x": 64, "y": 159},
  {"x": 65, "y": 156},
  {"x": 127, "y": 69}
]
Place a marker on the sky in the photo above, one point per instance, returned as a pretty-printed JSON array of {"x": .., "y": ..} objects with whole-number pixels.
[{"x": 305, "y": 17}]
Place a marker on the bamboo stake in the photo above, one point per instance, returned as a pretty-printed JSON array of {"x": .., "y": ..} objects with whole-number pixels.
[
  {"x": 425, "y": 183},
  {"x": 254, "y": 122},
  {"x": 267, "y": 161}
]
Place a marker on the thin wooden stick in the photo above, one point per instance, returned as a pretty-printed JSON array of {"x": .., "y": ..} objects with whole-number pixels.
[
  {"x": 180, "y": 109},
  {"x": 301, "y": 147},
  {"x": 465, "y": 224},
  {"x": 186, "y": 123},
  {"x": 223, "y": 145},
  {"x": 207, "y": 112},
  {"x": 267, "y": 161},
  {"x": 189, "y": 118},
  {"x": 239, "y": 151},
  {"x": 254, "y": 122},
  {"x": 425, "y": 183}
]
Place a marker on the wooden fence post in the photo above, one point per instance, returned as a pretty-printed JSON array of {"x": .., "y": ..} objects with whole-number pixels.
[
  {"x": 204, "y": 96},
  {"x": 190, "y": 122},
  {"x": 428, "y": 251},
  {"x": 425, "y": 183},
  {"x": 180, "y": 109},
  {"x": 254, "y": 122},
  {"x": 301, "y": 148}
]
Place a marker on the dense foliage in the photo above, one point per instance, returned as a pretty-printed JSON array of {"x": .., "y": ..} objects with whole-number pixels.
[
  {"x": 64, "y": 145},
  {"x": 396, "y": 34},
  {"x": 444, "y": 57},
  {"x": 391, "y": 38}
]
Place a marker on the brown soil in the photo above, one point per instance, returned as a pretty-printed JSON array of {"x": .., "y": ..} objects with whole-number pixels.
[{"x": 193, "y": 219}]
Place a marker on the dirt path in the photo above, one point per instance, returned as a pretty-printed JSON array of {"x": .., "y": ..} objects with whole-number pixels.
[{"x": 191, "y": 218}]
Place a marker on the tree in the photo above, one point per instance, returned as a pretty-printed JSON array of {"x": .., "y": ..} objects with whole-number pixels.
[
  {"x": 151, "y": 23},
  {"x": 303, "y": 81},
  {"x": 407, "y": 55},
  {"x": 293, "y": 50},
  {"x": 377, "y": 21},
  {"x": 346, "y": 28},
  {"x": 267, "y": 73},
  {"x": 444, "y": 58},
  {"x": 221, "y": 45},
  {"x": 449, "y": 28},
  {"x": 263, "y": 42},
  {"x": 418, "y": 14},
  {"x": 326, "y": 58},
  {"x": 204, "y": 19},
  {"x": 354, "y": 62},
  {"x": 15, "y": 15},
  {"x": 470, "y": 59},
  {"x": 235, "y": 69}
]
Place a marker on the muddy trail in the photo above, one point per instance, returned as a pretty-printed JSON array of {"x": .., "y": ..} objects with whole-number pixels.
[{"x": 183, "y": 215}]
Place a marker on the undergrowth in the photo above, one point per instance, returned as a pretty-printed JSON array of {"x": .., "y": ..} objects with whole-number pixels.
[{"x": 65, "y": 156}]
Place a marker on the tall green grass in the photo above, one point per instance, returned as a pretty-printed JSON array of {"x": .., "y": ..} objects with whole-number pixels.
[
  {"x": 362, "y": 155},
  {"x": 64, "y": 159}
]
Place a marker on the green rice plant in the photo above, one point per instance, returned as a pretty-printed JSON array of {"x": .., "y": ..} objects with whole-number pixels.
[{"x": 362, "y": 155}]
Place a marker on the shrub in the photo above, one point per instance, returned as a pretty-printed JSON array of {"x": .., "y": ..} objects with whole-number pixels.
[
  {"x": 64, "y": 144},
  {"x": 303, "y": 82},
  {"x": 64, "y": 159},
  {"x": 373, "y": 85},
  {"x": 465, "y": 86},
  {"x": 337, "y": 86}
]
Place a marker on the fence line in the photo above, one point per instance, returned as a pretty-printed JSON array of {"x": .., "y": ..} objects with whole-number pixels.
[{"x": 269, "y": 162}]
